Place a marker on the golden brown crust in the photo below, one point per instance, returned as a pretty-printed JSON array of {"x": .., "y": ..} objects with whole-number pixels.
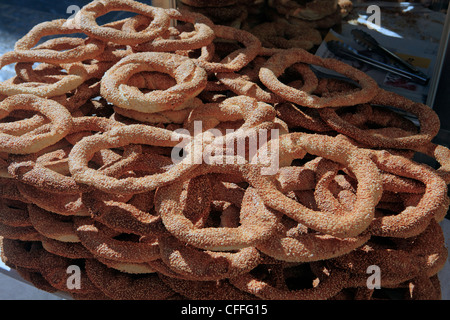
[{"x": 89, "y": 181}]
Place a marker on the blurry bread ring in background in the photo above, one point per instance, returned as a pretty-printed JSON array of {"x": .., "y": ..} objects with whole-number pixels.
[
  {"x": 23, "y": 254},
  {"x": 221, "y": 15},
  {"x": 205, "y": 290},
  {"x": 204, "y": 265},
  {"x": 330, "y": 282},
  {"x": 312, "y": 10},
  {"x": 71, "y": 250},
  {"x": 209, "y": 3},
  {"x": 283, "y": 35},
  {"x": 85, "y": 20},
  {"x": 55, "y": 268},
  {"x": 326, "y": 22},
  {"x": 190, "y": 79}
]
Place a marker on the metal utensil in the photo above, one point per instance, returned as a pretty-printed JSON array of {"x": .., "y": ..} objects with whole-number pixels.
[
  {"x": 366, "y": 40},
  {"x": 343, "y": 50}
]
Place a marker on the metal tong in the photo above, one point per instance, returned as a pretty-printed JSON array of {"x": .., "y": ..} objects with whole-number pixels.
[
  {"x": 366, "y": 40},
  {"x": 345, "y": 51}
]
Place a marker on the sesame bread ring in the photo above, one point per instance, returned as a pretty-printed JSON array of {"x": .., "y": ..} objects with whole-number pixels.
[
  {"x": 50, "y": 172},
  {"x": 428, "y": 119},
  {"x": 64, "y": 204},
  {"x": 190, "y": 79},
  {"x": 14, "y": 213},
  {"x": 292, "y": 244},
  {"x": 296, "y": 145},
  {"x": 125, "y": 217},
  {"x": 76, "y": 75},
  {"x": 127, "y": 267},
  {"x": 278, "y": 62},
  {"x": 325, "y": 282},
  {"x": 201, "y": 37},
  {"x": 441, "y": 154},
  {"x": 400, "y": 260},
  {"x": 84, "y": 150},
  {"x": 282, "y": 35},
  {"x": 52, "y": 225},
  {"x": 100, "y": 241},
  {"x": 255, "y": 226},
  {"x": 73, "y": 49},
  {"x": 311, "y": 10},
  {"x": 59, "y": 116},
  {"x": 85, "y": 20},
  {"x": 122, "y": 286},
  {"x": 415, "y": 218},
  {"x": 237, "y": 59},
  {"x": 19, "y": 233}
]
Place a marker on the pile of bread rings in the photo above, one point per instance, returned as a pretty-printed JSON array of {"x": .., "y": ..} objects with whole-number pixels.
[
  {"x": 279, "y": 24},
  {"x": 89, "y": 128}
]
